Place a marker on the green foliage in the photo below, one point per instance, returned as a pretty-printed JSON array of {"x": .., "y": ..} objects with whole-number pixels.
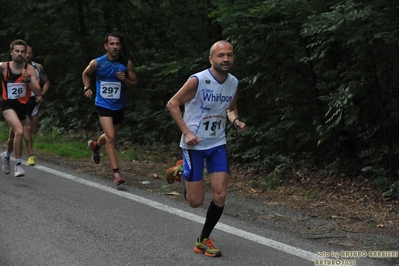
[
  {"x": 4, "y": 131},
  {"x": 55, "y": 141},
  {"x": 350, "y": 47},
  {"x": 392, "y": 190},
  {"x": 272, "y": 180},
  {"x": 310, "y": 195}
]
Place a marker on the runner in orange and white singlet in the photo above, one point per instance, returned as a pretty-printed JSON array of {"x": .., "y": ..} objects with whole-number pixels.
[{"x": 19, "y": 79}]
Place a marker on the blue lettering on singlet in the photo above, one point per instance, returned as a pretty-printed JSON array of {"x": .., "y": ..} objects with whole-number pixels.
[{"x": 210, "y": 97}]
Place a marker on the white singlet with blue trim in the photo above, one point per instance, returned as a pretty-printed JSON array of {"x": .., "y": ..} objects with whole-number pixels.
[
  {"x": 32, "y": 94},
  {"x": 205, "y": 115}
]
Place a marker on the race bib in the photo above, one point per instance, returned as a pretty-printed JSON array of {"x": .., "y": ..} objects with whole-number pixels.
[
  {"x": 16, "y": 90},
  {"x": 212, "y": 126},
  {"x": 110, "y": 90}
]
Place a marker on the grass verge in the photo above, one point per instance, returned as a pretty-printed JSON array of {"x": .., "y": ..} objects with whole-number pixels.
[{"x": 74, "y": 146}]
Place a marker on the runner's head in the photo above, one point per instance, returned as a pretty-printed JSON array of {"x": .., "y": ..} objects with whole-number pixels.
[
  {"x": 29, "y": 54},
  {"x": 18, "y": 50}
]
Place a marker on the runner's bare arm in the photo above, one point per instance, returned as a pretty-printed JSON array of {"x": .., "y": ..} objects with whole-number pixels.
[
  {"x": 232, "y": 114},
  {"x": 44, "y": 78},
  {"x": 2, "y": 68},
  {"x": 33, "y": 80},
  {"x": 131, "y": 79},
  {"x": 90, "y": 69},
  {"x": 185, "y": 94}
]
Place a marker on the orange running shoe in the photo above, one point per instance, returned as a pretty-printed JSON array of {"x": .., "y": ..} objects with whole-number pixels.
[
  {"x": 174, "y": 173},
  {"x": 207, "y": 248}
]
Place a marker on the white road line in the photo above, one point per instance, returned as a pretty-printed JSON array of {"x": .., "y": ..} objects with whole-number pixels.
[{"x": 223, "y": 227}]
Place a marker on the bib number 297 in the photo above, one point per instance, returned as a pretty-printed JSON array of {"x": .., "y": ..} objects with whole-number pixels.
[{"x": 110, "y": 90}]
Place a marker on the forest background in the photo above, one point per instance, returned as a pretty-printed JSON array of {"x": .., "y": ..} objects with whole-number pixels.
[{"x": 318, "y": 78}]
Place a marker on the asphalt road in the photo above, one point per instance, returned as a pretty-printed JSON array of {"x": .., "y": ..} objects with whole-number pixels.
[{"x": 55, "y": 216}]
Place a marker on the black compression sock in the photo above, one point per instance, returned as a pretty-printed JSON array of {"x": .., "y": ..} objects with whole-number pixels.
[{"x": 212, "y": 217}]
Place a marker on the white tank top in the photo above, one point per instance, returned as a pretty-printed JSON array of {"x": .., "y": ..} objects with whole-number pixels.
[
  {"x": 32, "y": 94},
  {"x": 205, "y": 115}
]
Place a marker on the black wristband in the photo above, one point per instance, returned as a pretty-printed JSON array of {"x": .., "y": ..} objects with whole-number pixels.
[{"x": 86, "y": 89}]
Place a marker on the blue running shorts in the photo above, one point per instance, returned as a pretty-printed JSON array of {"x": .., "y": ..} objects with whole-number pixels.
[{"x": 194, "y": 161}]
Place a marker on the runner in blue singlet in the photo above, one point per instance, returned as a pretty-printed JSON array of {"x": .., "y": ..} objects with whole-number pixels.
[{"x": 113, "y": 75}]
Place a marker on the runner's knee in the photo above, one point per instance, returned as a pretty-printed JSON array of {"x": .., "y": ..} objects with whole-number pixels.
[{"x": 195, "y": 203}]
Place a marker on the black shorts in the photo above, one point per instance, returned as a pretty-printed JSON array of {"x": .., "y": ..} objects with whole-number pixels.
[
  {"x": 33, "y": 106},
  {"x": 117, "y": 116},
  {"x": 22, "y": 110}
]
